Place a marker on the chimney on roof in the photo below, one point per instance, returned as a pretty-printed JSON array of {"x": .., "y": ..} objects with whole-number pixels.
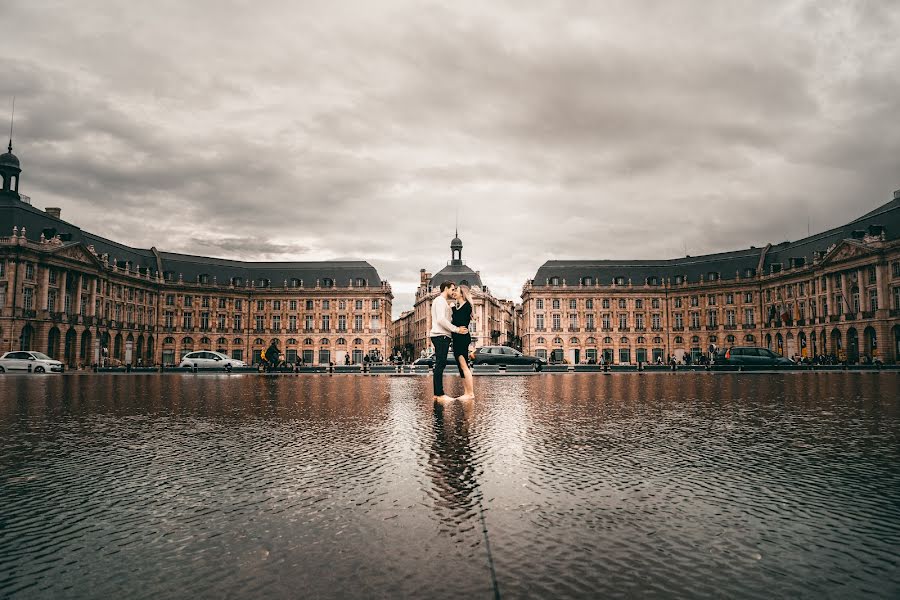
[{"x": 53, "y": 212}]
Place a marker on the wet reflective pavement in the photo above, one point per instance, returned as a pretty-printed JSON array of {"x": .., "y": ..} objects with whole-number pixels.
[{"x": 565, "y": 486}]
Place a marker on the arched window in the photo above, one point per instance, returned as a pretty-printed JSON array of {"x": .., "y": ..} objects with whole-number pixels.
[
  {"x": 357, "y": 342},
  {"x": 653, "y": 280},
  {"x": 554, "y": 280},
  {"x": 237, "y": 281},
  {"x": 641, "y": 340},
  {"x": 204, "y": 278},
  {"x": 324, "y": 341},
  {"x": 695, "y": 339},
  {"x": 679, "y": 339},
  {"x": 360, "y": 282},
  {"x": 327, "y": 282},
  {"x": 169, "y": 340},
  {"x": 295, "y": 283},
  {"x": 591, "y": 340},
  {"x": 204, "y": 340},
  {"x": 573, "y": 340},
  {"x": 730, "y": 339},
  {"x": 679, "y": 279},
  {"x": 291, "y": 341},
  {"x": 607, "y": 340},
  {"x": 308, "y": 342},
  {"x": 169, "y": 275},
  {"x": 557, "y": 340},
  {"x": 657, "y": 340},
  {"x": 749, "y": 338},
  {"x": 262, "y": 282},
  {"x": 620, "y": 280},
  {"x": 221, "y": 341},
  {"x": 587, "y": 281},
  {"x": 341, "y": 342},
  {"x": 712, "y": 276},
  {"x": 187, "y": 341},
  {"x": 713, "y": 338},
  {"x": 259, "y": 342},
  {"x": 464, "y": 282},
  {"x": 238, "y": 341},
  {"x": 624, "y": 340},
  {"x": 374, "y": 342},
  {"x": 540, "y": 340}
]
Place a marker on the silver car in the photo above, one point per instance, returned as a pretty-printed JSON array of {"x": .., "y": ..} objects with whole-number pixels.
[
  {"x": 207, "y": 359},
  {"x": 28, "y": 361}
]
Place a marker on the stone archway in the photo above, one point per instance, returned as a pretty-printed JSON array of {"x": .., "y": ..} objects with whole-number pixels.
[
  {"x": 896, "y": 331},
  {"x": 139, "y": 350},
  {"x": 779, "y": 344},
  {"x": 69, "y": 355},
  {"x": 53, "y": 343},
  {"x": 852, "y": 346},
  {"x": 837, "y": 345},
  {"x": 802, "y": 346},
  {"x": 118, "y": 351},
  {"x": 870, "y": 343},
  {"x": 27, "y": 338},
  {"x": 150, "y": 358},
  {"x": 86, "y": 354}
]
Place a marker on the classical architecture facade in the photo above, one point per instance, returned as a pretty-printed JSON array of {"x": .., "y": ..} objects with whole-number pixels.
[
  {"x": 81, "y": 298},
  {"x": 493, "y": 319},
  {"x": 834, "y": 293}
]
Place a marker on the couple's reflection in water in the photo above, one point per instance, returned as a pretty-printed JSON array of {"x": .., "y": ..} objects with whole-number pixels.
[
  {"x": 452, "y": 463},
  {"x": 454, "y": 469}
]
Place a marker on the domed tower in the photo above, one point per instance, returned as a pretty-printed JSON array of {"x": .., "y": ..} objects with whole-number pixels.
[
  {"x": 9, "y": 172},
  {"x": 456, "y": 250}
]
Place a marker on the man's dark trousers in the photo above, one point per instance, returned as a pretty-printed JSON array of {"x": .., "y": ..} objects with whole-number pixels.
[{"x": 441, "y": 345}]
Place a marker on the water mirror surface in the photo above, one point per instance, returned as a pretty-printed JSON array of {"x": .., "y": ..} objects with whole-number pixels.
[{"x": 562, "y": 486}]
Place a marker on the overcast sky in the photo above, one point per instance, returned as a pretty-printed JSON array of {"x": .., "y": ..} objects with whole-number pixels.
[{"x": 289, "y": 130}]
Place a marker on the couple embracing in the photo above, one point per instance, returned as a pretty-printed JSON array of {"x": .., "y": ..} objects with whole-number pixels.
[{"x": 450, "y": 327}]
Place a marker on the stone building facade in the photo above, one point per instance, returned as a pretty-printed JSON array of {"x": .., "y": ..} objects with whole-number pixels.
[
  {"x": 493, "y": 319},
  {"x": 84, "y": 299},
  {"x": 834, "y": 293}
]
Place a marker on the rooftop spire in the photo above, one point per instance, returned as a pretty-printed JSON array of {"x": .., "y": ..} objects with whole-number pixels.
[{"x": 12, "y": 118}]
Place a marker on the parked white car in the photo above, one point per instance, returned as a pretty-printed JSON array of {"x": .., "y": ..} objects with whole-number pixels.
[
  {"x": 206, "y": 359},
  {"x": 29, "y": 362}
]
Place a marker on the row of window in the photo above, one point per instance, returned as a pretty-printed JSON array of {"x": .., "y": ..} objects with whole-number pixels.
[
  {"x": 712, "y": 319},
  {"x": 222, "y": 303},
  {"x": 540, "y": 341},
  {"x": 188, "y": 341},
  {"x": 639, "y": 303},
  {"x": 263, "y": 282},
  {"x": 654, "y": 280},
  {"x": 275, "y": 321}
]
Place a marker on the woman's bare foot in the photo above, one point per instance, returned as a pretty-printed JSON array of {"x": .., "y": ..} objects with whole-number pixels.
[
  {"x": 466, "y": 397},
  {"x": 444, "y": 398}
]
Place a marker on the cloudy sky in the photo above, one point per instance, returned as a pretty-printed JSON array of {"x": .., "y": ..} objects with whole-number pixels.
[{"x": 291, "y": 130}]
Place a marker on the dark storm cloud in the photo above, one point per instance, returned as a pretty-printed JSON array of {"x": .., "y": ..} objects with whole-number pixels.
[{"x": 315, "y": 130}]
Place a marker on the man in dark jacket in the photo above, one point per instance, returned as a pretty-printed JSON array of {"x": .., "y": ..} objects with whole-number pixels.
[{"x": 272, "y": 355}]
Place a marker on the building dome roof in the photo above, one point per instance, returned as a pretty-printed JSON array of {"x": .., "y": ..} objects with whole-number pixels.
[
  {"x": 455, "y": 243},
  {"x": 8, "y": 159},
  {"x": 458, "y": 274}
]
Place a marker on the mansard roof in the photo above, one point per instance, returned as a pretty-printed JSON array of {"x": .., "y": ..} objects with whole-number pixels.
[
  {"x": 725, "y": 264},
  {"x": 17, "y": 213},
  {"x": 457, "y": 274}
]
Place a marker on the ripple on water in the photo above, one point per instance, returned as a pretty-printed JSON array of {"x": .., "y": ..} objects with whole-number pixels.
[{"x": 580, "y": 485}]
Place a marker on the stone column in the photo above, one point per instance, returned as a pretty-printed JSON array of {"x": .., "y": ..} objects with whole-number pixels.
[
  {"x": 63, "y": 279},
  {"x": 44, "y": 302},
  {"x": 92, "y": 309},
  {"x": 78, "y": 277},
  {"x": 829, "y": 295},
  {"x": 881, "y": 284},
  {"x": 845, "y": 293},
  {"x": 861, "y": 282}
]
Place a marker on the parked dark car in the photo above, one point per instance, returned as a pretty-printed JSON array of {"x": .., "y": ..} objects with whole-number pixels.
[
  {"x": 429, "y": 360},
  {"x": 504, "y": 355},
  {"x": 751, "y": 356}
]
